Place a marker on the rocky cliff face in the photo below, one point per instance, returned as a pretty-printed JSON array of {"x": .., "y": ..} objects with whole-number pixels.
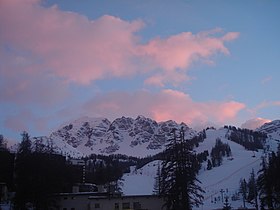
[
  {"x": 99, "y": 135},
  {"x": 270, "y": 127}
]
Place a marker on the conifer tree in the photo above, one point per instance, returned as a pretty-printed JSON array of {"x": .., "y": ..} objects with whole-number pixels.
[
  {"x": 269, "y": 183},
  {"x": 157, "y": 190},
  {"x": 178, "y": 178},
  {"x": 252, "y": 190},
  {"x": 209, "y": 165},
  {"x": 25, "y": 145},
  {"x": 265, "y": 186},
  {"x": 38, "y": 175},
  {"x": 6, "y": 165},
  {"x": 23, "y": 167},
  {"x": 243, "y": 189},
  {"x": 3, "y": 144}
]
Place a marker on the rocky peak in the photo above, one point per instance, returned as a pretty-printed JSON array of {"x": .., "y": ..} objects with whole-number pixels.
[
  {"x": 123, "y": 123},
  {"x": 82, "y": 130},
  {"x": 270, "y": 127},
  {"x": 99, "y": 135}
]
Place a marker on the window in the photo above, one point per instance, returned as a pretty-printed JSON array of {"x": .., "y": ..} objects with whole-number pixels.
[
  {"x": 125, "y": 205},
  {"x": 117, "y": 206},
  {"x": 97, "y": 206}
]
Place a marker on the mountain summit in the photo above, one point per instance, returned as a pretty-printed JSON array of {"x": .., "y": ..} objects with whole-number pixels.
[{"x": 137, "y": 137}]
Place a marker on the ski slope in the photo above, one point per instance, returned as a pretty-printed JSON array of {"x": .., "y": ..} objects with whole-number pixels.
[{"x": 225, "y": 177}]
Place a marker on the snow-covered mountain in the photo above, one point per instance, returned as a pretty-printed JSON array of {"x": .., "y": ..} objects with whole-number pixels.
[
  {"x": 143, "y": 136},
  {"x": 219, "y": 180},
  {"x": 136, "y": 137},
  {"x": 272, "y": 129}
]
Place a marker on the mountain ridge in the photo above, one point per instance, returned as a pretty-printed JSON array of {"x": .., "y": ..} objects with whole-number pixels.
[{"x": 141, "y": 136}]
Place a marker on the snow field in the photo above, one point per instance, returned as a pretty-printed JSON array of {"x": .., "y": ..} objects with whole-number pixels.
[{"x": 225, "y": 177}]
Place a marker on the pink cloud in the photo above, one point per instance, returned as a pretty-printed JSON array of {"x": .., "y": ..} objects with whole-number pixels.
[
  {"x": 72, "y": 47},
  {"x": 254, "y": 123},
  {"x": 230, "y": 36},
  {"x": 43, "y": 51},
  {"x": 175, "y": 54},
  {"x": 18, "y": 85},
  {"x": 263, "y": 105},
  {"x": 228, "y": 110},
  {"x": 15, "y": 124},
  {"x": 68, "y": 44},
  {"x": 25, "y": 120},
  {"x": 161, "y": 106},
  {"x": 165, "y": 105},
  {"x": 179, "y": 51},
  {"x": 180, "y": 106}
]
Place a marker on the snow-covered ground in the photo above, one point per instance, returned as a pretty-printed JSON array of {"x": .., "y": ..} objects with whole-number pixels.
[
  {"x": 141, "y": 181},
  {"x": 225, "y": 177}
]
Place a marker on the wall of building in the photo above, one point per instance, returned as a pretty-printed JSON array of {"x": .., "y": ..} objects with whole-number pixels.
[{"x": 93, "y": 202}]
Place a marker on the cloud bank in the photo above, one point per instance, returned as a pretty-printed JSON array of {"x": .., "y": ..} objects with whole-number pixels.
[
  {"x": 70, "y": 46},
  {"x": 254, "y": 123},
  {"x": 44, "y": 50},
  {"x": 166, "y": 105}
]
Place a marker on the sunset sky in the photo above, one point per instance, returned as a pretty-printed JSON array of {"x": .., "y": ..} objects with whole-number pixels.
[{"x": 195, "y": 61}]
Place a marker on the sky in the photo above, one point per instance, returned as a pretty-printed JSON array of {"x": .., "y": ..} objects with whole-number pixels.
[{"x": 199, "y": 62}]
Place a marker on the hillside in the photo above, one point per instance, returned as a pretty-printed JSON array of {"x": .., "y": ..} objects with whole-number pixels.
[
  {"x": 225, "y": 177},
  {"x": 228, "y": 175}
]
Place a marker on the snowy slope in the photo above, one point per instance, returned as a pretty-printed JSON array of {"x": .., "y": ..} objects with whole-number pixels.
[
  {"x": 59, "y": 147},
  {"x": 226, "y": 176},
  {"x": 141, "y": 181}
]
